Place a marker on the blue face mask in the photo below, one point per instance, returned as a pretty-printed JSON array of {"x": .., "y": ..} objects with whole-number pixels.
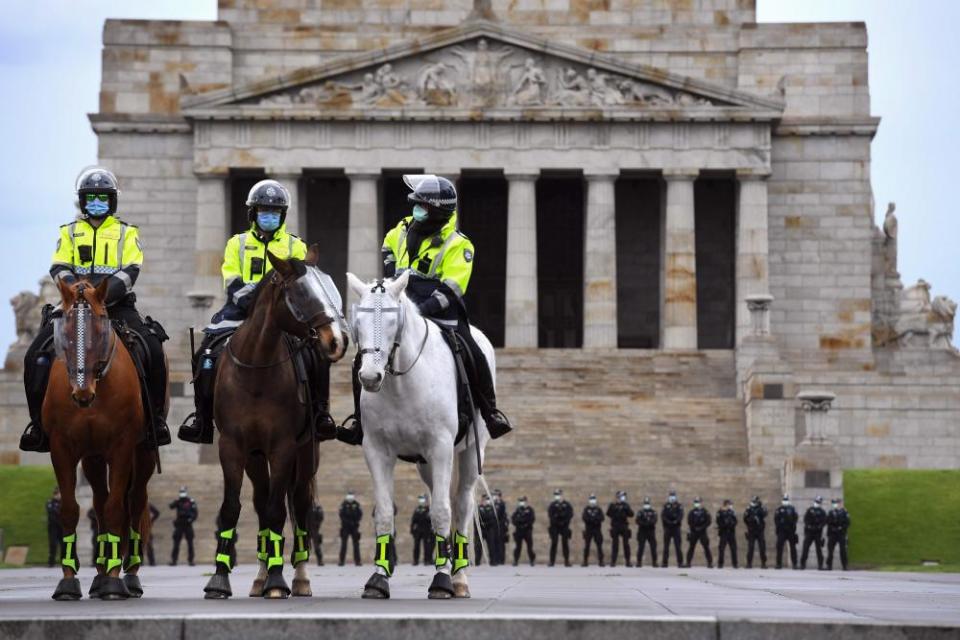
[
  {"x": 419, "y": 213},
  {"x": 97, "y": 208},
  {"x": 268, "y": 221}
]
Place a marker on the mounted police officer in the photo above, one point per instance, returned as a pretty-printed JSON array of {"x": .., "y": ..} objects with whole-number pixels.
[
  {"x": 350, "y": 516},
  {"x": 698, "y": 521},
  {"x": 185, "y": 515},
  {"x": 523, "y": 518},
  {"x": 813, "y": 521},
  {"x": 440, "y": 257},
  {"x": 620, "y": 513},
  {"x": 838, "y": 521},
  {"x": 421, "y": 528},
  {"x": 727, "y": 533},
  {"x": 593, "y": 530},
  {"x": 489, "y": 530},
  {"x": 755, "y": 519},
  {"x": 97, "y": 246},
  {"x": 672, "y": 518},
  {"x": 314, "y": 522},
  {"x": 647, "y": 531},
  {"x": 54, "y": 528},
  {"x": 785, "y": 520},
  {"x": 560, "y": 513},
  {"x": 245, "y": 263}
]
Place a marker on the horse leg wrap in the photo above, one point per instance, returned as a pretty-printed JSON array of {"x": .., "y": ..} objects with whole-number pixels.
[
  {"x": 441, "y": 551},
  {"x": 386, "y": 553},
  {"x": 133, "y": 554},
  {"x": 263, "y": 536},
  {"x": 109, "y": 551},
  {"x": 274, "y": 550},
  {"x": 68, "y": 553},
  {"x": 226, "y": 549},
  {"x": 301, "y": 548},
  {"x": 461, "y": 552}
]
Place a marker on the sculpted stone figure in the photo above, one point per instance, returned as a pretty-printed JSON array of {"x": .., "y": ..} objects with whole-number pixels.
[
  {"x": 434, "y": 88},
  {"x": 530, "y": 87},
  {"x": 943, "y": 311},
  {"x": 602, "y": 93},
  {"x": 26, "y": 310},
  {"x": 573, "y": 91},
  {"x": 922, "y": 323},
  {"x": 481, "y": 71},
  {"x": 890, "y": 240}
]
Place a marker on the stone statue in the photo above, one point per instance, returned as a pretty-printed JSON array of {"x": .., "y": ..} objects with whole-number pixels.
[
  {"x": 433, "y": 88},
  {"x": 943, "y": 311},
  {"x": 644, "y": 94},
  {"x": 481, "y": 71},
  {"x": 602, "y": 93},
  {"x": 26, "y": 310},
  {"x": 573, "y": 90},
  {"x": 530, "y": 88},
  {"x": 922, "y": 323}
]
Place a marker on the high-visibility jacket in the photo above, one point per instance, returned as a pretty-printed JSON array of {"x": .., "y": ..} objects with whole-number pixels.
[
  {"x": 111, "y": 250},
  {"x": 446, "y": 256}
]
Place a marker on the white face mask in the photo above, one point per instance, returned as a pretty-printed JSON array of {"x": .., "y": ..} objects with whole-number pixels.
[
  {"x": 422, "y": 502},
  {"x": 521, "y": 503},
  {"x": 623, "y": 498},
  {"x": 593, "y": 502},
  {"x": 672, "y": 499},
  {"x": 349, "y": 497},
  {"x": 785, "y": 503},
  {"x": 557, "y": 498}
]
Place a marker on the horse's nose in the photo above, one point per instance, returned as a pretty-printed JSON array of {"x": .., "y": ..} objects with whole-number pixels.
[{"x": 371, "y": 380}]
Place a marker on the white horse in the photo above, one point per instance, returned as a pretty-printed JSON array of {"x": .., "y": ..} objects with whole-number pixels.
[{"x": 408, "y": 405}]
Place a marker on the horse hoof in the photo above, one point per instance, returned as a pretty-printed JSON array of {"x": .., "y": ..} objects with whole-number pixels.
[
  {"x": 275, "y": 587},
  {"x": 377, "y": 588},
  {"x": 276, "y": 594},
  {"x": 461, "y": 590},
  {"x": 301, "y": 588},
  {"x": 95, "y": 586},
  {"x": 441, "y": 588},
  {"x": 68, "y": 589},
  {"x": 132, "y": 582},
  {"x": 256, "y": 590},
  {"x": 113, "y": 589},
  {"x": 218, "y": 588}
]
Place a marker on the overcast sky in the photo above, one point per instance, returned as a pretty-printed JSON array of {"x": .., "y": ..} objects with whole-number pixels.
[{"x": 50, "y": 68}]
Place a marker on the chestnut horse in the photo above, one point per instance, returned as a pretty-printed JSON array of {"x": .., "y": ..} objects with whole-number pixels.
[
  {"x": 93, "y": 414},
  {"x": 262, "y": 419}
]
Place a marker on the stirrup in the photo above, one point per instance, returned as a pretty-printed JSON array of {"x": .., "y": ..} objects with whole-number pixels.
[
  {"x": 497, "y": 424},
  {"x": 324, "y": 427},
  {"x": 352, "y": 435},
  {"x": 193, "y": 432}
]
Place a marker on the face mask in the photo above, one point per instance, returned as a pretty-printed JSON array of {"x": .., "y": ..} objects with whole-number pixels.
[
  {"x": 785, "y": 503},
  {"x": 521, "y": 504},
  {"x": 647, "y": 506},
  {"x": 422, "y": 502},
  {"x": 672, "y": 499},
  {"x": 557, "y": 498},
  {"x": 97, "y": 208},
  {"x": 419, "y": 213},
  {"x": 268, "y": 221},
  {"x": 349, "y": 497},
  {"x": 593, "y": 502},
  {"x": 696, "y": 505},
  {"x": 623, "y": 498}
]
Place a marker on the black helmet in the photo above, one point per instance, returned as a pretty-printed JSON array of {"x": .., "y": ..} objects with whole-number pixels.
[
  {"x": 435, "y": 192},
  {"x": 97, "y": 180},
  {"x": 268, "y": 194}
]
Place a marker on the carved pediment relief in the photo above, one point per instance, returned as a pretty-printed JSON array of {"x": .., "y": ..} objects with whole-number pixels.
[{"x": 480, "y": 74}]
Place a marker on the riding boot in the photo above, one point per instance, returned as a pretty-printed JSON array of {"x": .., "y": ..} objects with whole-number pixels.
[
  {"x": 324, "y": 426},
  {"x": 36, "y": 372},
  {"x": 200, "y": 430},
  {"x": 354, "y": 433},
  {"x": 497, "y": 424}
]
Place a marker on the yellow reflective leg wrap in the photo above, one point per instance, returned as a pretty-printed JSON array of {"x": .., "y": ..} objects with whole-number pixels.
[
  {"x": 101, "y": 548},
  {"x": 225, "y": 541},
  {"x": 262, "y": 536},
  {"x": 133, "y": 555},
  {"x": 441, "y": 553},
  {"x": 112, "y": 544},
  {"x": 385, "y": 553},
  {"x": 461, "y": 552},
  {"x": 68, "y": 557},
  {"x": 301, "y": 550},
  {"x": 275, "y": 547}
]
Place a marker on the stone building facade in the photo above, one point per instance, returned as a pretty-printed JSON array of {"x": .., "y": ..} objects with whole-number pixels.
[{"x": 671, "y": 205}]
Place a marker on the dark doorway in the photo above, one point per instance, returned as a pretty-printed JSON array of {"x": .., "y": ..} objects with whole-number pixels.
[
  {"x": 560, "y": 220},
  {"x": 393, "y": 198},
  {"x": 483, "y": 217},
  {"x": 327, "y": 196},
  {"x": 638, "y": 212},
  {"x": 715, "y": 222},
  {"x": 241, "y": 181}
]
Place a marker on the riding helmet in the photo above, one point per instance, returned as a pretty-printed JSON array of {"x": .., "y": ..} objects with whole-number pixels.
[
  {"x": 99, "y": 180},
  {"x": 268, "y": 194},
  {"x": 435, "y": 192}
]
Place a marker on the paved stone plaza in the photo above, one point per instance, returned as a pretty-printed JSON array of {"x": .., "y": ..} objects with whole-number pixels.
[{"x": 696, "y": 602}]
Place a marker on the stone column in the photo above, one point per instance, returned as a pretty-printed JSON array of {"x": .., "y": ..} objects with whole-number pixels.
[
  {"x": 290, "y": 178},
  {"x": 521, "y": 297},
  {"x": 759, "y": 307},
  {"x": 816, "y": 467},
  {"x": 600, "y": 262},
  {"x": 752, "y": 245},
  {"x": 363, "y": 242},
  {"x": 680, "y": 262},
  {"x": 210, "y": 238}
]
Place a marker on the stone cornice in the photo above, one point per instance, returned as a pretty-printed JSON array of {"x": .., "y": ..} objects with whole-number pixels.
[
  {"x": 138, "y": 123},
  {"x": 827, "y": 126}
]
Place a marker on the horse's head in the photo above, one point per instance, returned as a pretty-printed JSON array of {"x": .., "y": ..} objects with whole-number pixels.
[
  {"x": 377, "y": 327},
  {"x": 83, "y": 337},
  {"x": 311, "y": 307}
]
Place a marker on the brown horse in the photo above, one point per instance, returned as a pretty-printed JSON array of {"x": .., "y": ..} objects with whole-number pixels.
[
  {"x": 262, "y": 419},
  {"x": 93, "y": 413}
]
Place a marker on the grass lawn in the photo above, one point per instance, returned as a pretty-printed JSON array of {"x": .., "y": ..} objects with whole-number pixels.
[
  {"x": 24, "y": 492},
  {"x": 901, "y": 517}
]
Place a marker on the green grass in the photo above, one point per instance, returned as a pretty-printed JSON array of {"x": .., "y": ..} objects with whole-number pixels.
[
  {"x": 901, "y": 517},
  {"x": 24, "y": 492}
]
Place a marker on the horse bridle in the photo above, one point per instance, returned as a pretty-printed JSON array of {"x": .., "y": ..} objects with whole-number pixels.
[
  {"x": 377, "y": 350},
  {"x": 101, "y": 367}
]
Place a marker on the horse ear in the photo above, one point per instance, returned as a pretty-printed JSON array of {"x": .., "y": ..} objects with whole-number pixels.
[
  {"x": 282, "y": 266},
  {"x": 398, "y": 284},
  {"x": 100, "y": 293},
  {"x": 357, "y": 286},
  {"x": 313, "y": 255},
  {"x": 66, "y": 292}
]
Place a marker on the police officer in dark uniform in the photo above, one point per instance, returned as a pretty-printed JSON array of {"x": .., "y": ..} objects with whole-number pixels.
[
  {"x": 350, "y": 515},
  {"x": 421, "y": 528},
  {"x": 154, "y": 514},
  {"x": 785, "y": 520},
  {"x": 647, "y": 531},
  {"x": 698, "y": 521},
  {"x": 593, "y": 530},
  {"x": 813, "y": 521},
  {"x": 54, "y": 528},
  {"x": 504, "y": 526},
  {"x": 755, "y": 519},
  {"x": 838, "y": 521},
  {"x": 727, "y": 532},
  {"x": 523, "y": 518},
  {"x": 620, "y": 513},
  {"x": 489, "y": 531},
  {"x": 186, "y": 513},
  {"x": 672, "y": 518},
  {"x": 560, "y": 513},
  {"x": 314, "y": 522}
]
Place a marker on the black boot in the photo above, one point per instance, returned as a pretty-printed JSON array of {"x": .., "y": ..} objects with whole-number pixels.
[
  {"x": 194, "y": 429},
  {"x": 34, "y": 439},
  {"x": 198, "y": 426},
  {"x": 161, "y": 432},
  {"x": 353, "y": 434},
  {"x": 497, "y": 423}
]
